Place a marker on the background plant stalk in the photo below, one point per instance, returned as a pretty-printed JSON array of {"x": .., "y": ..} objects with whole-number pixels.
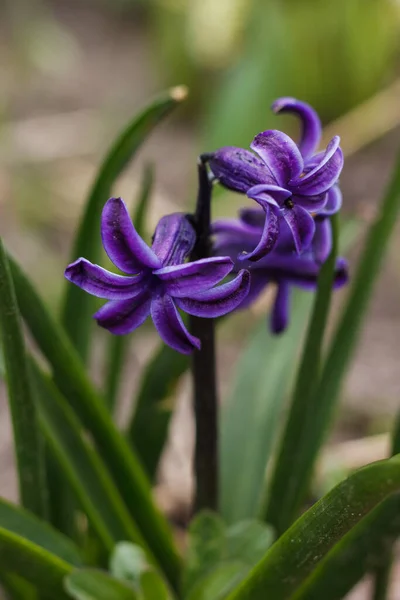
[{"x": 204, "y": 368}]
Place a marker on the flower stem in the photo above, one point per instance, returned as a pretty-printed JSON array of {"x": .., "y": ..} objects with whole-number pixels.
[{"x": 204, "y": 368}]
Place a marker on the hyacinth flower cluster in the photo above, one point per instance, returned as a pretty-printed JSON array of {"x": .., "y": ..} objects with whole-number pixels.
[
  {"x": 284, "y": 240},
  {"x": 158, "y": 280}
]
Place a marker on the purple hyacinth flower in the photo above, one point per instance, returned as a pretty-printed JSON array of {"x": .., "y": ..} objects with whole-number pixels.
[
  {"x": 282, "y": 266},
  {"x": 289, "y": 181},
  {"x": 158, "y": 281}
]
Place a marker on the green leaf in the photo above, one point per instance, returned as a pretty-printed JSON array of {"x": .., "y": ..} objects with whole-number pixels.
[
  {"x": 24, "y": 524},
  {"x": 248, "y": 541},
  {"x": 313, "y": 430},
  {"x": 38, "y": 566},
  {"x": 82, "y": 466},
  {"x": 118, "y": 344},
  {"x": 148, "y": 429},
  {"x": 78, "y": 306},
  {"x": 16, "y": 587},
  {"x": 127, "y": 562},
  {"x": 206, "y": 545},
  {"x": 27, "y": 440},
  {"x": 250, "y": 415},
  {"x": 362, "y": 549},
  {"x": 219, "y": 557},
  {"x": 282, "y": 502},
  {"x": 298, "y": 551},
  {"x": 90, "y": 408},
  {"x": 217, "y": 584},
  {"x": 89, "y": 584},
  {"x": 153, "y": 587}
]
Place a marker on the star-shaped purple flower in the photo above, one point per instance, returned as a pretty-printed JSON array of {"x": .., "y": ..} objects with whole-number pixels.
[
  {"x": 158, "y": 281},
  {"x": 282, "y": 266},
  {"x": 289, "y": 181}
]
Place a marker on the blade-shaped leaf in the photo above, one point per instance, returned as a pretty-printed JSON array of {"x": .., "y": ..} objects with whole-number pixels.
[
  {"x": 312, "y": 430},
  {"x": 24, "y": 524},
  {"x": 149, "y": 426},
  {"x": 89, "y": 584},
  {"x": 77, "y": 305},
  {"x": 259, "y": 389},
  {"x": 281, "y": 504},
  {"x": 90, "y": 408},
  {"x": 38, "y": 566},
  {"x": 118, "y": 344},
  {"x": 298, "y": 551},
  {"x": 362, "y": 549},
  {"x": 82, "y": 466},
  {"x": 27, "y": 439}
]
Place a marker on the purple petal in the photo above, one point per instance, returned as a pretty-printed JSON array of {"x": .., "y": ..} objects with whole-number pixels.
[
  {"x": 334, "y": 202},
  {"x": 269, "y": 235},
  {"x": 322, "y": 241},
  {"x": 254, "y": 217},
  {"x": 124, "y": 316},
  {"x": 301, "y": 225},
  {"x": 311, "y": 203},
  {"x": 281, "y": 308},
  {"x": 121, "y": 241},
  {"x": 258, "y": 282},
  {"x": 101, "y": 283},
  {"x": 273, "y": 194},
  {"x": 219, "y": 300},
  {"x": 238, "y": 169},
  {"x": 299, "y": 270},
  {"x": 322, "y": 176},
  {"x": 233, "y": 236},
  {"x": 170, "y": 326},
  {"x": 280, "y": 154},
  {"x": 174, "y": 239},
  {"x": 341, "y": 273},
  {"x": 310, "y": 122},
  {"x": 190, "y": 278}
]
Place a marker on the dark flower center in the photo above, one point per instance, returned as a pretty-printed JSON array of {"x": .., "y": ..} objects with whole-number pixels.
[{"x": 289, "y": 203}]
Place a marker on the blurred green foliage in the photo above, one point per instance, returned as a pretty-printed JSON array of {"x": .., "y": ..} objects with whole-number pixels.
[{"x": 238, "y": 55}]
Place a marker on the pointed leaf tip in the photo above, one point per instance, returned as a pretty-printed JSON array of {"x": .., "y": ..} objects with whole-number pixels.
[{"x": 179, "y": 93}]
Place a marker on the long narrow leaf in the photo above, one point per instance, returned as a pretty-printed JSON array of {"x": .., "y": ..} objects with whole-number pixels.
[
  {"x": 282, "y": 502},
  {"x": 22, "y": 523},
  {"x": 362, "y": 549},
  {"x": 298, "y": 551},
  {"x": 250, "y": 415},
  {"x": 83, "y": 468},
  {"x": 78, "y": 306},
  {"x": 383, "y": 571},
  {"x": 74, "y": 384},
  {"x": 118, "y": 345},
  {"x": 256, "y": 401},
  {"x": 149, "y": 425},
  {"x": 340, "y": 352},
  {"x": 27, "y": 440},
  {"x": 38, "y": 566}
]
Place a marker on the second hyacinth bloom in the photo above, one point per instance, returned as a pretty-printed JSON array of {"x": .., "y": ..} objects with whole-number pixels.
[
  {"x": 158, "y": 280},
  {"x": 290, "y": 181}
]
